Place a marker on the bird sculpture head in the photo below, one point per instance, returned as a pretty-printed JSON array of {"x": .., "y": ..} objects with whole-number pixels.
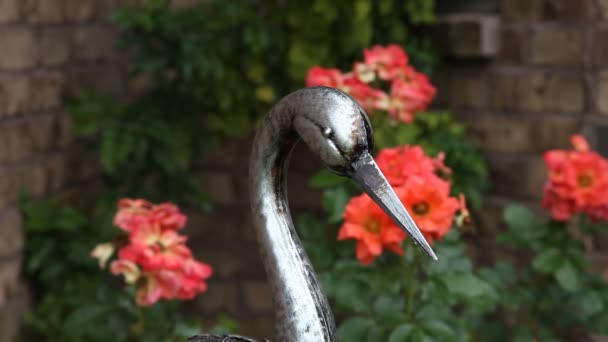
[{"x": 338, "y": 130}]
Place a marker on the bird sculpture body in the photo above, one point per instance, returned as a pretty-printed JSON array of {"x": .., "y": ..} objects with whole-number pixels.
[{"x": 337, "y": 130}]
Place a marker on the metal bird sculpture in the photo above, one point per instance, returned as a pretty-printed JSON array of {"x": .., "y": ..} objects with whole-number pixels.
[{"x": 337, "y": 130}]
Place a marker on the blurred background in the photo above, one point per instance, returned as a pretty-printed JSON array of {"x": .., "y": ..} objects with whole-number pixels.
[{"x": 103, "y": 99}]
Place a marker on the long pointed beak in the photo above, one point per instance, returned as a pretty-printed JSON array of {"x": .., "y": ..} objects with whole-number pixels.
[{"x": 370, "y": 178}]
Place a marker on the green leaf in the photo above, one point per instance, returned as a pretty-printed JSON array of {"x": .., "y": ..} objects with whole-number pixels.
[
  {"x": 401, "y": 333},
  {"x": 225, "y": 325},
  {"x": 352, "y": 295},
  {"x": 354, "y": 329},
  {"x": 37, "y": 259},
  {"x": 467, "y": 285},
  {"x": 326, "y": 179},
  {"x": 334, "y": 201},
  {"x": 502, "y": 273},
  {"x": 518, "y": 216},
  {"x": 420, "y": 336},
  {"x": 70, "y": 219},
  {"x": 548, "y": 260},
  {"x": 426, "y": 312},
  {"x": 390, "y": 310},
  {"x": 591, "y": 303},
  {"x": 376, "y": 334},
  {"x": 85, "y": 315},
  {"x": 362, "y": 8},
  {"x": 109, "y": 150},
  {"x": 438, "y": 328},
  {"x": 47, "y": 215},
  {"x": 420, "y": 11},
  {"x": 384, "y": 7},
  {"x": 523, "y": 333},
  {"x": 386, "y": 305},
  {"x": 186, "y": 329},
  {"x": 567, "y": 277}
]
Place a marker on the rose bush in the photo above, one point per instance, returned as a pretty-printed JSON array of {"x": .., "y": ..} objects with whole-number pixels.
[
  {"x": 555, "y": 284},
  {"x": 397, "y": 296},
  {"x": 84, "y": 303},
  {"x": 157, "y": 138},
  {"x": 548, "y": 293},
  {"x": 384, "y": 81},
  {"x": 209, "y": 73},
  {"x": 155, "y": 258}
]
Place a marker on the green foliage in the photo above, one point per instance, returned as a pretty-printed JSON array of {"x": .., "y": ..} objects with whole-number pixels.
[
  {"x": 555, "y": 288},
  {"x": 439, "y": 132},
  {"x": 404, "y": 298},
  {"x": 222, "y": 78},
  {"x": 213, "y": 80},
  {"x": 551, "y": 294},
  {"x": 143, "y": 153},
  {"x": 389, "y": 301},
  {"x": 54, "y": 232},
  {"x": 325, "y": 32},
  {"x": 80, "y": 302},
  {"x": 210, "y": 73}
]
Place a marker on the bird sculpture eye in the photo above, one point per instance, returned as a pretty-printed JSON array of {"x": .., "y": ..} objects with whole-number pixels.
[{"x": 328, "y": 133}]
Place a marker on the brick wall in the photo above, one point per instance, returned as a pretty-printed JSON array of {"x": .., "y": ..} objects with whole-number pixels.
[
  {"x": 53, "y": 49},
  {"x": 48, "y": 49},
  {"x": 548, "y": 80}
]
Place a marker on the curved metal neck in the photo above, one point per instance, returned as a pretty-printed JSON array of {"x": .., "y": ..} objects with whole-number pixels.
[{"x": 303, "y": 313}]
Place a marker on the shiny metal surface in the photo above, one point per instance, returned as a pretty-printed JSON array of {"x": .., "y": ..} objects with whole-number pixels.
[
  {"x": 336, "y": 129},
  {"x": 372, "y": 181}
]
